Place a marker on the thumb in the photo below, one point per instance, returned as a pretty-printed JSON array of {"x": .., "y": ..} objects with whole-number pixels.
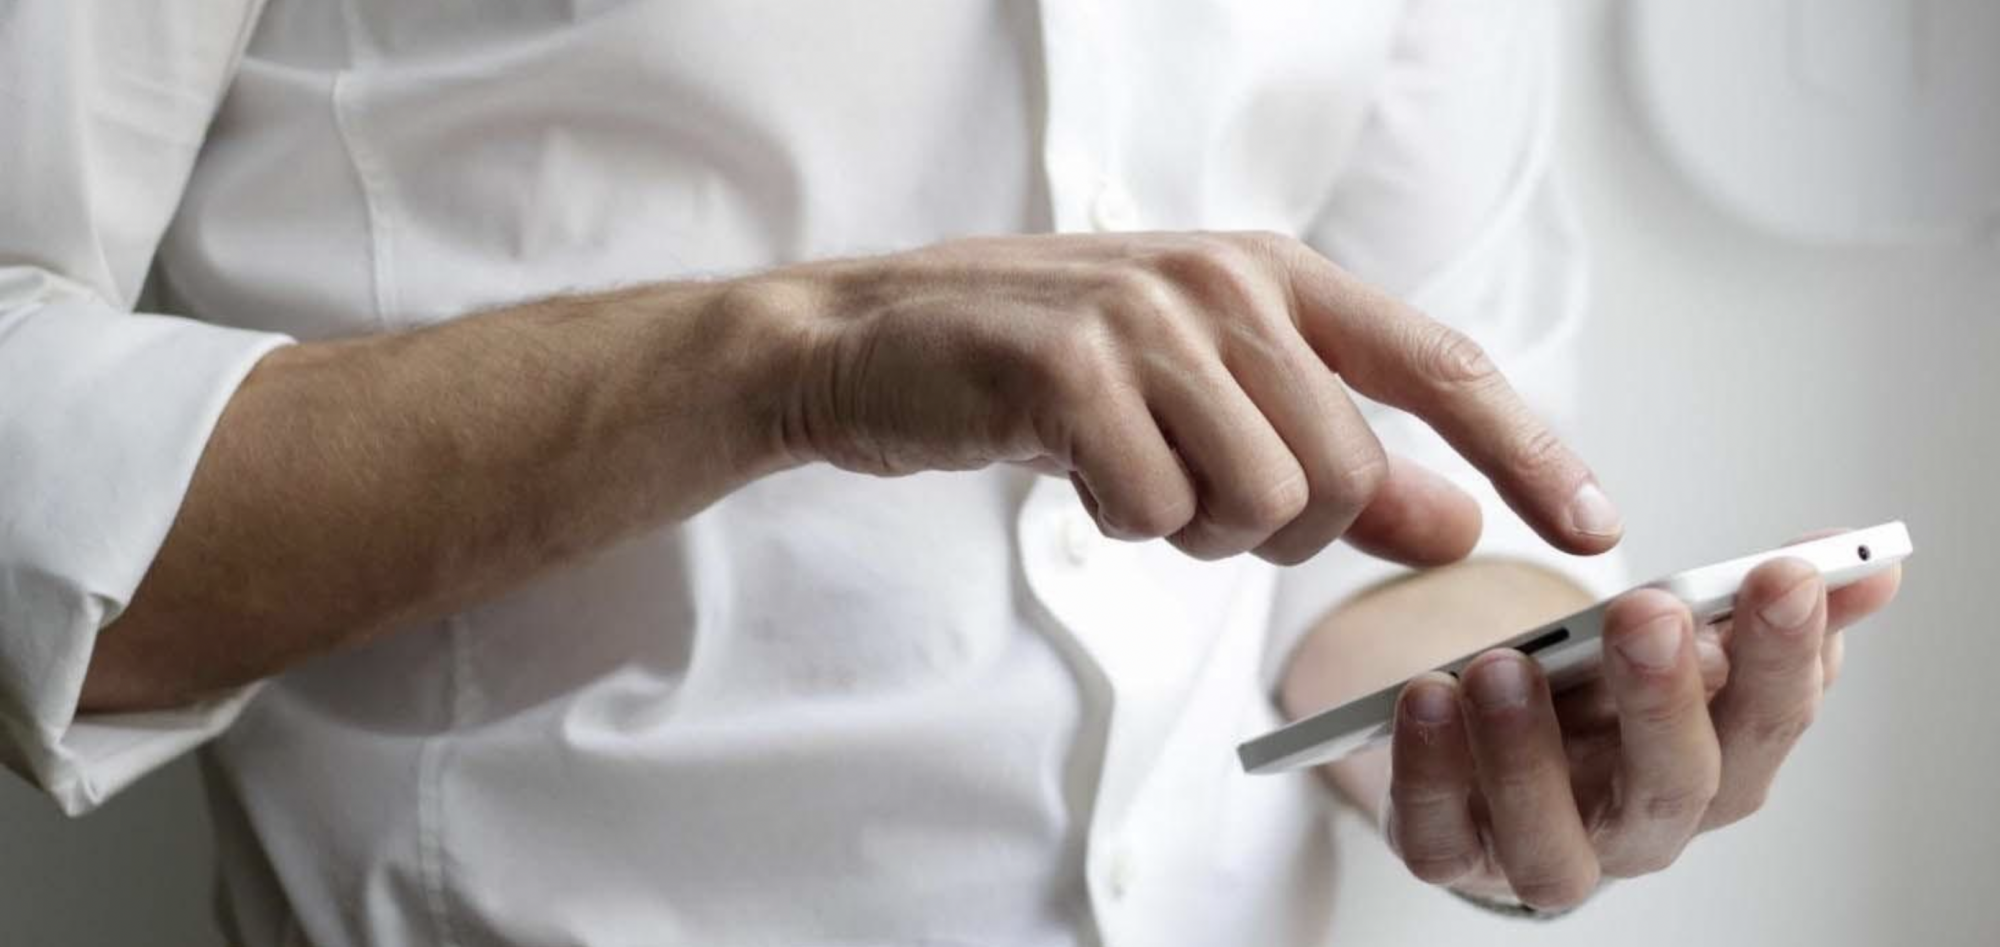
[{"x": 1418, "y": 518}]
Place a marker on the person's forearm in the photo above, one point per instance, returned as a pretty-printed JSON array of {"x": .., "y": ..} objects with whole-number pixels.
[
  {"x": 1186, "y": 382},
  {"x": 1389, "y": 633},
  {"x": 350, "y": 486}
]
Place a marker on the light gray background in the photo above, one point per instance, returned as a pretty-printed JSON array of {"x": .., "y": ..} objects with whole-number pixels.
[{"x": 1744, "y": 390}]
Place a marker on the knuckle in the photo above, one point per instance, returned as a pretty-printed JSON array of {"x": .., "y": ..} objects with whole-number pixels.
[
  {"x": 1424, "y": 795},
  {"x": 1135, "y": 291},
  {"x": 1742, "y": 806},
  {"x": 1678, "y": 804},
  {"x": 1290, "y": 550},
  {"x": 1079, "y": 363},
  {"x": 1116, "y": 283},
  {"x": 1522, "y": 780},
  {"x": 1777, "y": 654},
  {"x": 1221, "y": 271},
  {"x": 1255, "y": 345},
  {"x": 1435, "y": 852},
  {"x": 1224, "y": 255},
  {"x": 1275, "y": 505},
  {"x": 1358, "y": 478},
  {"x": 1784, "y": 667},
  {"x": 1669, "y": 710},
  {"x": 1781, "y": 728},
  {"x": 1778, "y": 729},
  {"x": 1439, "y": 868},
  {"x": 1283, "y": 255},
  {"x": 1451, "y": 358},
  {"x": 1155, "y": 515},
  {"x": 1541, "y": 450},
  {"x": 1646, "y": 862},
  {"x": 1132, "y": 302},
  {"x": 1556, "y": 889},
  {"x": 1148, "y": 310},
  {"x": 1200, "y": 539},
  {"x": 1269, "y": 243}
]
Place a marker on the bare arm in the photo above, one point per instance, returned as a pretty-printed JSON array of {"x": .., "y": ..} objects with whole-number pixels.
[
  {"x": 1186, "y": 382},
  {"x": 352, "y": 485}
]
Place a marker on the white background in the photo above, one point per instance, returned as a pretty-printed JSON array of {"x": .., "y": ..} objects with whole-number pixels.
[{"x": 1743, "y": 390}]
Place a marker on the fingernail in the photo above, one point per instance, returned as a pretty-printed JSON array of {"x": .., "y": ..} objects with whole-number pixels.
[
  {"x": 1498, "y": 683},
  {"x": 1591, "y": 512},
  {"x": 1655, "y": 645},
  {"x": 1792, "y": 608},
  {"x": 1430, "y": 702}
]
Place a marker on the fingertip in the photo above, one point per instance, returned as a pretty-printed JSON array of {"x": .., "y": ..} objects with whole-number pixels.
[
  {"x": 1585, "y": 523},
  {"x": 1430, "y": 699},
  {"x": 1561, "y": 893},
  {"x": 1594, "y": 522},
  {"x": 1443, "y": 871},
  {"x": 1445, "y": 678},
  {"x": 1418, "y": 518},
  {"x": 1503, "y": 682},
  {"x": 1773, "y": 579},
  {"x": 1865, "y": 597},
  {"x": 1784, "y": 596},
  {"x": 1782, "y": 572},
  {"x": 1641, "y": 607},
  {"x": 1596, "y": 545},
  {"x": 1851, "y": 603}
]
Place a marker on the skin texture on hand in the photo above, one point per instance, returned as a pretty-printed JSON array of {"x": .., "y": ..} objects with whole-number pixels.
[
  {"x": 1496, "y": 787},
  {"x": 1193, "y": 386},
  {"x": 1190, "y": 385}
]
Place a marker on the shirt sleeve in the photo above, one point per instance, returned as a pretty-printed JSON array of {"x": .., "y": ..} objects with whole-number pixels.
[
  {"x": 1449, "y": 202},
  {"x": 103, "y": 412}
]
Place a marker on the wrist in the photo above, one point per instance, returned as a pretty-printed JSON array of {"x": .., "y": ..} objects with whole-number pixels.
[
  {"x": 766, "y": 334},
  {"x": 808, "y": 324},
  {"x": 695, "y": 374}
]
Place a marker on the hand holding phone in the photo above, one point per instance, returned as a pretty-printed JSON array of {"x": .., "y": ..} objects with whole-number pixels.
[
  {"x": 1502, "y": 789},
  {"x": 1569, "y": 648}
]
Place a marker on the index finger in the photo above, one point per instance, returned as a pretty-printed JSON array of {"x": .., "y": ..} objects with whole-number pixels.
[{"x": 1401, "y": 357}]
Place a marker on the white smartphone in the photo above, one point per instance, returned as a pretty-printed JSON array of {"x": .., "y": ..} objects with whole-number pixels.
[{"x": 1569, "y": 648}]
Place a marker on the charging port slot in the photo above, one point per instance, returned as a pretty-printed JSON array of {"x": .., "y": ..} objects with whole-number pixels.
[{"x": 1544, "y": 641}]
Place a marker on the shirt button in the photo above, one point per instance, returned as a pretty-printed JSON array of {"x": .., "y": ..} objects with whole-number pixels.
[
  {"x": 1120, "y": 874},
  {"x": 1113, "y": 209},
  {"x": 1079, "y": 538}
]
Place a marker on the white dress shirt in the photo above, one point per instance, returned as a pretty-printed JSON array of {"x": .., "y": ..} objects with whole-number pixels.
[{"x": 830, "y": 709}]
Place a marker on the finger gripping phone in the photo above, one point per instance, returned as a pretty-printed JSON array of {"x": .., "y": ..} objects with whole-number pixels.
[{"x": 1569, "y": 648}]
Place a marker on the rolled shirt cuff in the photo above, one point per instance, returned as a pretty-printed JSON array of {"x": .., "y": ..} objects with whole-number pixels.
[{"x": 103, "y": 416}]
